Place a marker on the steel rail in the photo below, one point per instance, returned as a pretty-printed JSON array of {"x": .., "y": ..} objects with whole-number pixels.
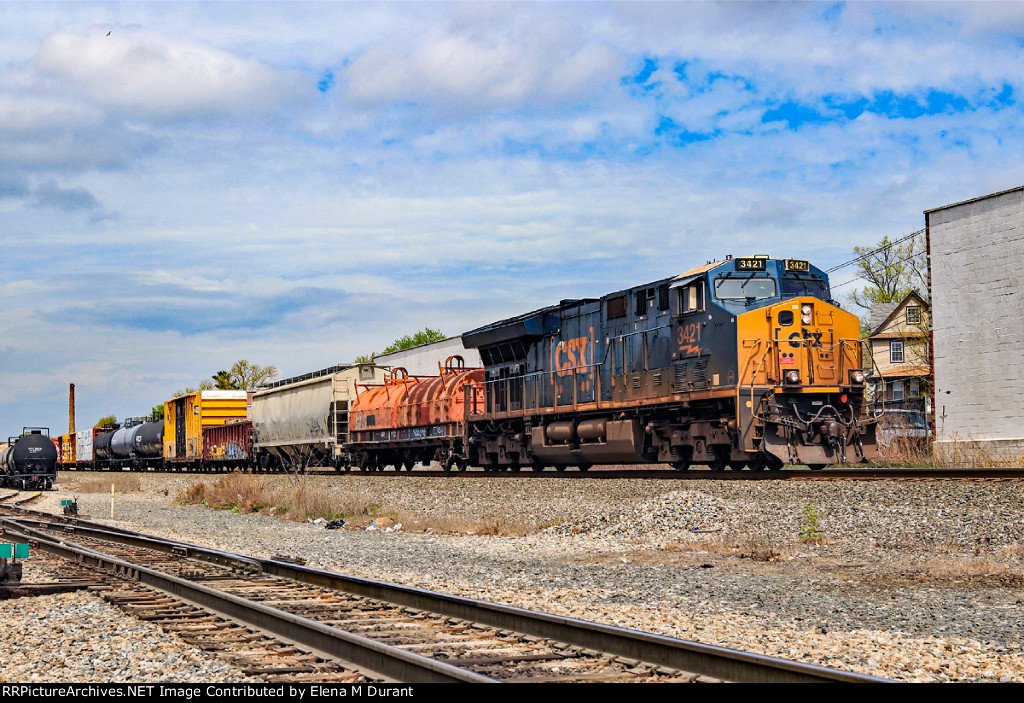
[
  {"x": 597, "y": 472},
  {"x": 383, "y": 660},
  {"x": 708, "y": 660}
]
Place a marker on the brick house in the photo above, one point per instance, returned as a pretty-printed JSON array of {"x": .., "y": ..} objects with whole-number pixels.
[{"x": 900, "y": 369}]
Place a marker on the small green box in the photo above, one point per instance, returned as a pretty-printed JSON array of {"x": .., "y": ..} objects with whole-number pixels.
[
  {"x": 6, "y": 551},
  {"x": 21, "y": 551}
]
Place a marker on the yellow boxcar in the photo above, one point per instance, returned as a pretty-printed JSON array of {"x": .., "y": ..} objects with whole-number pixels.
[
  {"x": 185, "y": 418},
  {"x": 68, "y": 447}
]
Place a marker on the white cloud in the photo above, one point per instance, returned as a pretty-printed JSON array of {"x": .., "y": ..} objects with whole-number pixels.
[
  {"x": 143, "y": 71},
  {"x": 458, "y": 72}
]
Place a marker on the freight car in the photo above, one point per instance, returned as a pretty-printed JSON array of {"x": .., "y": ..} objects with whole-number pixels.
[
  {"x": 412, "y": 419},
  {"x": 304, "y": 421},
  {"x": 29, "y": 460},
  {"x": 742, "y": 362}
]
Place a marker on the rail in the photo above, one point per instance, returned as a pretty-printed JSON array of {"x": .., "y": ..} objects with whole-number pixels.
[{"x": 650, "y": 649}]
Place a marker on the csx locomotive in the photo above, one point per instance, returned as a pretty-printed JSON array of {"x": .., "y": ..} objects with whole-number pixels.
[{"x": 745, "y": 362}]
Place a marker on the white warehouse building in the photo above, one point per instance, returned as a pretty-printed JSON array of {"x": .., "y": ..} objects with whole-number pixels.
[{"x": 976, "y": 256}]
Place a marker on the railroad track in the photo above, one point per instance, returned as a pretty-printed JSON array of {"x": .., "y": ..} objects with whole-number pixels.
[
  {"x": 846, "y": 474},
  {"x": 291, "y": 622}
]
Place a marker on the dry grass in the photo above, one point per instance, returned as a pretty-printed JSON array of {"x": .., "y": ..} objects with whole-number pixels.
[
  {"x": 981, "y": 570},
  {"x": 301, "y": 499},
  {"x": 973, "y": 453},
  {"x": 753, "y": 547},
  {"x": 904, "y": 452},
  {"x": 122, "y": 484}
]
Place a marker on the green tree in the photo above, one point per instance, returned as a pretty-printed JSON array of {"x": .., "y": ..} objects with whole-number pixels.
[
  {"x": 222, "y": 380},
  {"x": 246, "y": 377},
  {"x": 242, "y": 376},
  {"x": 106, "y": 421},
  {"x": 157, "y": 413},
  {"x": 891, "y": 270},
  {"x": 425, "y": 337},
  {"x": 366, "y": 358}
]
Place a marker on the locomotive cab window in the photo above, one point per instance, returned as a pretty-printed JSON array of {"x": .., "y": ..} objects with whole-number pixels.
[
  {"x": 742, "y": 287},
  {"x": 691, "y": 298}
]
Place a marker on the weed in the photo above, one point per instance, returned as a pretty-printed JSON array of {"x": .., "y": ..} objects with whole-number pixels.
[
  {"x": 122, "y": 484},
  {"x": 810, "y": 525}
]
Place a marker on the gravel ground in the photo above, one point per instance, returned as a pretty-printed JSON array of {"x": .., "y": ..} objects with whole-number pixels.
[{"x": 919, "y": 581}]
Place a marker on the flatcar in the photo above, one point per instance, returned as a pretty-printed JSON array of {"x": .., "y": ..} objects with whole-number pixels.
[{"x": 29, "y": 460}]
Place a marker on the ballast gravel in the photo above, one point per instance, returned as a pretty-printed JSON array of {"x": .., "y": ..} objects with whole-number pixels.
[{"x": 911, "y": 580}]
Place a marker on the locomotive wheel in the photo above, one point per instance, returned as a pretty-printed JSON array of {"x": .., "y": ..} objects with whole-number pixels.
[
  {"x": 720, "y": 460},
  {"x": 774, "y": 463},
  {"x": 759, "y": 462},
  {"x": 680, "y": 465},
  {"x": 737, "y": 465}
]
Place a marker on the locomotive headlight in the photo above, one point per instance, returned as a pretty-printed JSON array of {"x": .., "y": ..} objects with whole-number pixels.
[
  {"x": 792, "y": 377},
  {"x": 856, "y": 376},
  {"x": 805, "y": 314}
]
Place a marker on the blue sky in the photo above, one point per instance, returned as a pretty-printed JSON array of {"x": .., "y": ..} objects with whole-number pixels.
[{"x": 186, "y": 184}]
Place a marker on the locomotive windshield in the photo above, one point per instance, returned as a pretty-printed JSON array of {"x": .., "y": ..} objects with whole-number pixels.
[
  {"x": 744, "y": 287},
  {"x": 795, "y": 284}
]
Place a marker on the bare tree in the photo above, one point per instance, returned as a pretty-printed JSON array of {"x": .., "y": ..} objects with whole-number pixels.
[{"x": 891, "y": 270}]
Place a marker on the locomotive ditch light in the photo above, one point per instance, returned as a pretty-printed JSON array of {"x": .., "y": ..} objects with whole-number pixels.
[
  {"x": 805, "y": 313},
  {"x": 856, "y": 376},
  {"x": 792, "y": 377}
]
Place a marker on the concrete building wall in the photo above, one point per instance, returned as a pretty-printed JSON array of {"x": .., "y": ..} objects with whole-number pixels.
[
  {"x": 423, "y": 360},
  {"x": 977, "y": 290}
]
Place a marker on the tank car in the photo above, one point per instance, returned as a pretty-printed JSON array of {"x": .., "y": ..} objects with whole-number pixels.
[
  {"x": 30, "y": 460},
  {"x": 413, "y": 419},
  {"x": 746, "y": 362}
]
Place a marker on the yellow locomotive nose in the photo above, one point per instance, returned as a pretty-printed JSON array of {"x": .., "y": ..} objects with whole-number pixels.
[{"x": 802, "y": 382}]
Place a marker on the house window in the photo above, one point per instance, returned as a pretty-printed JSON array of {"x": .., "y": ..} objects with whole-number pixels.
[
  {"x": 897, "y": 390},
  {"x": 914, "y": 388},
  {"x": 896, "y": 352},
  {"x": 913, "y": 315}
]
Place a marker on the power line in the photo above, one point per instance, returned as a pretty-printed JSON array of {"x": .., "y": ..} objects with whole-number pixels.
[
  {"x": 866, "y": 255},
  {"x": 862, "y": 278}
]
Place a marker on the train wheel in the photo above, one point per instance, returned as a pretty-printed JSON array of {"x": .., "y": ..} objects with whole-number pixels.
[
  {"x": 584, "y": 467},
  {"x": 759, "y": 462},
  {"x": 514, "y": 468},
  {"x": 559, "y": 468},
  {"x": 537, "y": 466},
  {"x": 737, "y": 465},
  {"x": 774, "y": 463},
  {"x": 720, "y": 460},
  {"x": 815, "y": 467}
]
